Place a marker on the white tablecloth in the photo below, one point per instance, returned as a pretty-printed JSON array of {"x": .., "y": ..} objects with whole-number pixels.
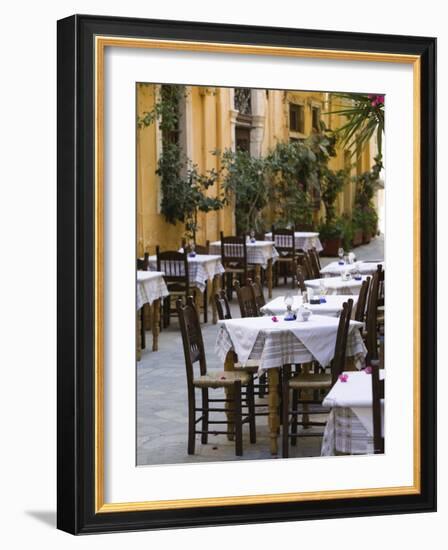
[
  {"x": 304, "y": 240},
  {"x": 150, "y": 287},
  {"x": 274, "y": 344},
  {"x": 349, "y": 427},
  {"x": 201, "y": 268},
  {"x": 335, "y": 285},
  {"x": 258, "y": 252},
  {"x": 331, "y": 307},
  {"x": 365, "y": 268}
]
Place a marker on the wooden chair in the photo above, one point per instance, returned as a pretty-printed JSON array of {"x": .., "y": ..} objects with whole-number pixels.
[
  {"x": 301, "y": 278},
  {"x": 284, "y": 242},
  {"x": 362, "y": 300},
  {"x": 246, "y": 300},
  {"x": 200, "y": 249},
  {"x": 308, "y": 268},
  {"x": 231, "y": 380},
  {"x": 258, "y": 294},
  {"x": 143, "y": 265},
  {"x": 371, "y": 336},
  {"x": 377, "y": 395},
  {"x": 317, "y": 382},
  {"x": 315, "y": 263},
  {"x": 223, "y": 310},
  {"x": 174, "y": 265},
  {"x": 234, "y": 260}
]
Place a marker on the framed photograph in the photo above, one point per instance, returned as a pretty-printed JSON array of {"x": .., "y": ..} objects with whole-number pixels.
[{"x": 228, "y": 200}]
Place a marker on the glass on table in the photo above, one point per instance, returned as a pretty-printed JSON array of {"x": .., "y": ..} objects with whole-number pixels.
[
  {"x": 341, "y": 256},
  {"x": 252, "y": 236},
  {"x": 289, "y": 315},
  {"x": 192, "y": 251}
]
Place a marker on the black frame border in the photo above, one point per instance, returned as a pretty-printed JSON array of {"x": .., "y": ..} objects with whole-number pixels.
[{"x": 75, "y": 271}]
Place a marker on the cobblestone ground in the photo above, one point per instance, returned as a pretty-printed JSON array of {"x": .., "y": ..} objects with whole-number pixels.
[{"x": 162, "y": 398}]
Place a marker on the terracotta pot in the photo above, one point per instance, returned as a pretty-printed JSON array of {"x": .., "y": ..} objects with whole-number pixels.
[
  {"x": 331, "y": 246},
  {"x": 357, "y": 237}
]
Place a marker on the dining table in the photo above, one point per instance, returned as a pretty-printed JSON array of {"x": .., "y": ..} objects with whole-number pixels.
[
  {"x": 261, "y": 254},
  {"x": 275, "y": 342},
  {"x": 349, "y": 427},
  {"x": 336, "y": 285},
  {"x": 328, "y": 305},
  {"x": 304, "y": 240},
  {"x": 202, "y": 269},
  {"x": 363, "y": 267},
  {"x": 150, "y": 289}
]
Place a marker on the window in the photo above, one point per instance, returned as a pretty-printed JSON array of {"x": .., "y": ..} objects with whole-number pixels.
[
  {"x": 296, "y": 118},
  {"x": 315, "y": 119}
]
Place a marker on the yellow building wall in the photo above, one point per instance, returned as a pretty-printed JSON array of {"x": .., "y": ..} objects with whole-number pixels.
[{"x": 209, "y": 127}]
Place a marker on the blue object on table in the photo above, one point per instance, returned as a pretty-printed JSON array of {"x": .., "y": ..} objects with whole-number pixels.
[
  {"x": 323, "y": 301},
  {"x": 192, "y": 254},
  {"x": 357, "y": 277},
  {"x": 341, "y": 262}
]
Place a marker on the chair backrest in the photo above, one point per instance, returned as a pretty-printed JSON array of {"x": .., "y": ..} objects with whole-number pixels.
[
  {"x": 362, "y": 300},
  {"x": 246, "y": 300},
  {"x": 381, "y": 286},
  {"x": 174, "y": 265},
  {"x": 377, "y": 395},
  {"x": 284, "y": 242},
  {"x": 222, "y": 306},
  {"x": 143, "y": 265},
  {"x": 193, "y": 343},
  {"x": 340, "y": 350},
  {"x": 258, "y": 294},
  {"x": 309, "y": 271},
  {"x": 315, "y": 262},
  {"x": 234, "y": 252},
  {"x": 372, "y": 317},
  {"x": 301, "y": 278},
  {"x": 199, "y": 248}
]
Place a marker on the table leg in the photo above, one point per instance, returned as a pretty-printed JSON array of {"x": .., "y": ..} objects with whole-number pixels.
[
  {"x": 273, "y": 419},
  {"x": 139, "y": 336},
  {"x": 258, "y": 272},
  {"x": 155, "y": 324},
  {"x": 229, "y": 365},
  {"x": 269, "y": 277}
]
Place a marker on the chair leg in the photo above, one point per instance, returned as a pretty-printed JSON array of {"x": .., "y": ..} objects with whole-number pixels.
[
  {"x": 262, "y": 385},
  {"x": 251, "y": 410},
  {"x": 204, "y": 435},
  {"x": 206, "y": 303},
  {"x": 238, "y": 420},
  {"x": 228, "y": 278},
  {"x": 295, "y": 400},
  {"x": 293, "y": 274},
  {"x": 142, "y": 328},
  {"x": 191, "y": 421},
  {"x": 285, "y": 413}
]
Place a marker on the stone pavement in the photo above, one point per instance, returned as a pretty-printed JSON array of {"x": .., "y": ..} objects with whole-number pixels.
[{"x": 162, "y": 398}]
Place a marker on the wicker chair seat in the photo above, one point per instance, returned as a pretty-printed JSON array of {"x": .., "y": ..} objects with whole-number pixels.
[
  {"x": 222, "y": 379},
  {"x": 310, "y": 381},
  {"x": 251, "y": 366}
]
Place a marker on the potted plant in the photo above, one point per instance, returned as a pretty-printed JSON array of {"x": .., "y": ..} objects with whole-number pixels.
[
  {"x": 357, "y": 227},
  {"x": 331, "y": 235}
]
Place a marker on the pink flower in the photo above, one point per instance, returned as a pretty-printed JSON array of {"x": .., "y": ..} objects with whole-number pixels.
[
  {"x": 275, "y": 319},
  {"x": 368, "y": 370},
  {"x": 343, "y": 377},
  {"x": 222, "y": 378}
]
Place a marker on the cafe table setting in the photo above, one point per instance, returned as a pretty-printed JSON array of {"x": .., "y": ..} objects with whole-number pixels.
[
  {"x": 349, "y": 428},
  {"x": 345, "y": 284},
  {"x": 304, "y": 240},
  {"x": 362, "y": 267},
  {"x": 274, "y": 342},
  {"x": 261, "y": 254},
  {"x": 150, "y": 289},
  {"x": 321, "y": 305}
]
